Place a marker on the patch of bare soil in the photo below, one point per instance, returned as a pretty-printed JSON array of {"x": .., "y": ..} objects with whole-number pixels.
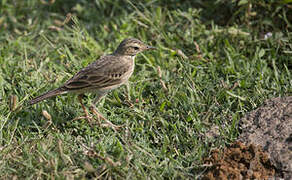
[
  {"x": 270, "y": 126},
  {"x": 268, "y": 132},
  {"x": 239, "y": 161}
]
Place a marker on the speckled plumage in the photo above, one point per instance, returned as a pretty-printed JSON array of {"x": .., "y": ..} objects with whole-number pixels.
[{"x": 107, "y": 73}]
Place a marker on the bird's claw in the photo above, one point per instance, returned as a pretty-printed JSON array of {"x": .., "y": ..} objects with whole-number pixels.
[{"x": 107, "y": 122}]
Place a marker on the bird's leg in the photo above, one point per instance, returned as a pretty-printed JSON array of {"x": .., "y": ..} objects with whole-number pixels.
[
  {"x": 128, "y": 97},
  {"x": 80, "y": 97},
  {"x": 94, "y": 110},
  {"x": 107, "y": 123}
]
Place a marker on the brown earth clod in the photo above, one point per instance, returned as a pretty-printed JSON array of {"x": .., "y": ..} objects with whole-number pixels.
[{"x": 239, "y": 161}]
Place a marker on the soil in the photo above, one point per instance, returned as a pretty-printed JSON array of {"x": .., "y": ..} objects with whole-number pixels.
[
  {"x": 264, "y": 149},
  {"x": 239, "y": 161},
  {"x": 270, "y": 126}
]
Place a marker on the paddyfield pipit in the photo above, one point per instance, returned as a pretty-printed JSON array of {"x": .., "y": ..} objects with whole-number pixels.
[{"x": 107, "y": 73}]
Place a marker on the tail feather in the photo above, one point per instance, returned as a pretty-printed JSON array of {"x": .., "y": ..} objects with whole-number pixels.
[{"x": 46, "y": 96}]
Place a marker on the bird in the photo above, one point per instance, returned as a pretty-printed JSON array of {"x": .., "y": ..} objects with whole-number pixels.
[{"x": 101, "y": 76}]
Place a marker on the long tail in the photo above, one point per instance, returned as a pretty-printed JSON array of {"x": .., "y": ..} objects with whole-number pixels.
[{"x": 47, "y": 95}]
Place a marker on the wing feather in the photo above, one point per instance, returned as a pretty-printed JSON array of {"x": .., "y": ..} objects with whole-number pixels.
[{"x": 106, "y": 72}]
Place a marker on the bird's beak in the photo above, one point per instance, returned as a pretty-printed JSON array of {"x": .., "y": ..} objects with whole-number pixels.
[{"x": 150, "y": 48}]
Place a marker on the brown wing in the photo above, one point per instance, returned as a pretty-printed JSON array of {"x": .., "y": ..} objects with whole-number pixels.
[{"x": 105, "y": 72}]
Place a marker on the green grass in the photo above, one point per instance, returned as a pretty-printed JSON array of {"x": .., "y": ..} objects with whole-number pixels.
[{"x": 165, "y": 131}]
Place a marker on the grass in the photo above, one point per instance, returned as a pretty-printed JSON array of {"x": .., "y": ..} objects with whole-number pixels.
[{"x": 213, "y": 75}]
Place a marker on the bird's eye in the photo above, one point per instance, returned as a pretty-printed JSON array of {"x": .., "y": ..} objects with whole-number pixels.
[{"x": 136, "y": 48}]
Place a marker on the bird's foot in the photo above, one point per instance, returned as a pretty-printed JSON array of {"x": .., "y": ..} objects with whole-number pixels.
[
  {"x": 107, "y": 123},
  {"x": 128, "y": 103},
  {"x": 87, "y": 117}
]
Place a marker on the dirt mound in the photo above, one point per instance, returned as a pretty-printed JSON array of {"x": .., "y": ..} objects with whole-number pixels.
[
  {"x": 270, "y": 126},
  {"x": 239, "y": 161}
]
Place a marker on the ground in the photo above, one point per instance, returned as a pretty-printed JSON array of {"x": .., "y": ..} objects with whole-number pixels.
[
  {"x": 265, "y": 148},
  {"x": 215, "y": 62},
  {"x": 270, "y": 126},
  {"x": 239, "y": 161}
]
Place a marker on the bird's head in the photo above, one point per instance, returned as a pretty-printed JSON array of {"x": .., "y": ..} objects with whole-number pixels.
[{"x": 131, "y": 47}]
